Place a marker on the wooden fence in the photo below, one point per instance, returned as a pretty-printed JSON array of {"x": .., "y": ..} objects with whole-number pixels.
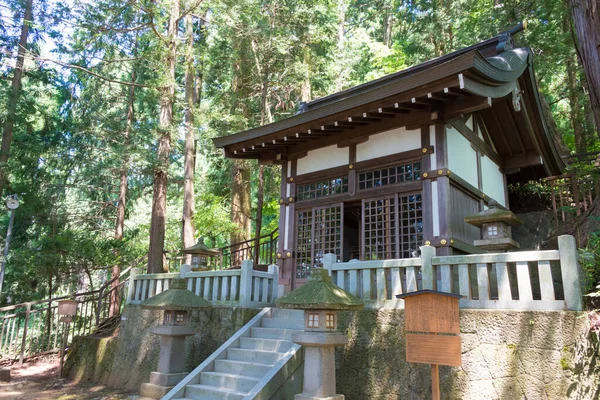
[
  {"x": 527, "y": 280},
  {"x": 32, "y": 328},
  {"x": 244, "y": 287}
]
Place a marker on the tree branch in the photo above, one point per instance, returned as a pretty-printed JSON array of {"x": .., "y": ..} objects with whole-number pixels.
[{"x": 104, "y": 78}]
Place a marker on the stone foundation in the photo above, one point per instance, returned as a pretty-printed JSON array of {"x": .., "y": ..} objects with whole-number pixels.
[
  {"x": 126, "y": 360},
  {"x": 505, "y": 354}
]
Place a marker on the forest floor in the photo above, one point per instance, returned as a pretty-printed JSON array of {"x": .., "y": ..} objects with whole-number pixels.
[{"x": 38, "y": 380}]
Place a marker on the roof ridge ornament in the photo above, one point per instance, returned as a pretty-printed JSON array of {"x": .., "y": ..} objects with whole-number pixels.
[{"x": 505, "y": 41}]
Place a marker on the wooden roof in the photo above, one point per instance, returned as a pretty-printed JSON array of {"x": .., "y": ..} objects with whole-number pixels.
[{"x": 478, "y": 78}]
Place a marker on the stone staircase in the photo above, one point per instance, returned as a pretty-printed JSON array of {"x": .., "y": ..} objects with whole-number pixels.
[{"x": 258, "y": 362}]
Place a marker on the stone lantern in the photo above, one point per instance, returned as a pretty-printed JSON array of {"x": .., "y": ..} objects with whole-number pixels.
[
  {"x": 200, "y": 254},
  {"x": 495, "y": 223},
  {"x": 321, "y": 300},
  {"x": 176, "y": 303}
]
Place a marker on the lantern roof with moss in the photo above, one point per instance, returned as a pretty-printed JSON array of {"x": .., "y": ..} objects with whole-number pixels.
[
  {"x": 495, "y": 213},
  {"x": 201, "y": 248},
  {"x": 176, "y": 297},
  {"x": 319, "y": 293}
]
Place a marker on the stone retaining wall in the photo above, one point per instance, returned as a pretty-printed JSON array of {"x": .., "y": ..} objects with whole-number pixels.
[
  {"x": 506, "y": 355},
  {"x": 126, "y": 359}
]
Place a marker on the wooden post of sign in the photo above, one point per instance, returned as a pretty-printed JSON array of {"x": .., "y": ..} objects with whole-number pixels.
[
  {"x": 435, "y": 382},
  {"x": 426, "y": 314}
]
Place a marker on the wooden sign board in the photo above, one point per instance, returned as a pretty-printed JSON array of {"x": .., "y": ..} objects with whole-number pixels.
[
  {"x": 431, "y": 313},
  {"x": 433, "y": 349},
  {"x": 432, "y": 327}
]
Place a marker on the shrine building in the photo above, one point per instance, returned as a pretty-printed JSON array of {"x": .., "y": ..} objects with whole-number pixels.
[{"x": 377, "y": 170}]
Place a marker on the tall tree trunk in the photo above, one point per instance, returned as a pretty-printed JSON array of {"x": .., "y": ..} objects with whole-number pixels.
[
  {"x": 15, "y": 92},
  {"x": 586, "y": 15},
  {"x": 156, "y": 257},
  {"x": 339, "y": 81},
  {"x": 260, "y": 199},
  {"x": 115, "y": 298},
  {"x": 574, "y": 89},
  {"x": 388, "y": 20},
  {"x": 187, "y": 229},
  {"x": 240, "y": 201},
  {"x": 306, "y": 89}
]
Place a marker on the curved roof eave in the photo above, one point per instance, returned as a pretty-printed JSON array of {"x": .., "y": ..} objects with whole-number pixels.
[{"x": 504, "y": 67}]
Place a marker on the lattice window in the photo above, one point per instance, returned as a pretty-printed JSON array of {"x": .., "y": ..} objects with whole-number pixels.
[
  {"x": 390, "y": 175},
  {"x": 410, "y": 224},
  {"x": 379, "y": 226},
  {"x": 392, "y": 227},
  {"x": 317, "y": 236},
  {"x": 322, "y": 188}
]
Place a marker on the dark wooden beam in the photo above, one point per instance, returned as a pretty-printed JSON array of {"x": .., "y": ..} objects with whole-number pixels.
[
  {"x": 467, "y": 106},
  {"x": 513, "y": 164},
  {"x": 363, "y": 119},
  {"x": 393, "y": 110},
  {"x": 421, "y": 118}
]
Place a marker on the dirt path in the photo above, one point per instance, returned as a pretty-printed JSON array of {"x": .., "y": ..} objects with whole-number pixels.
[{"x": 38, "y": 380}]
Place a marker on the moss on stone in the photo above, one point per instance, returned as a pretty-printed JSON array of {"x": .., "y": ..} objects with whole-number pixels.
[{"x": 320, "y": 293}]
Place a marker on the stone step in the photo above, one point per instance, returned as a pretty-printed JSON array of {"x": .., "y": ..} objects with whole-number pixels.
[
  {"x": 228, "y": 381},
  {"x": 262, "y": 357},
  {"x": 245, "y": 368},
  {"x": 283, "y": 323},
  {"x": 265, "y": 344},
  {"x": 203, "y": 392},
  {"x": 286, "y": 313},
  {"x": 273, "y": 333}
]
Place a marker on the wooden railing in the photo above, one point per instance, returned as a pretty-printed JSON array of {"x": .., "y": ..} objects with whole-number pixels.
[
  {"x": 233, "y": 255},
  {"x": 528, "y": 280},
  {"x": 572, "y": 194},
  {"x": 244, "y": 287},
  {"x": 33, "y": 328}
]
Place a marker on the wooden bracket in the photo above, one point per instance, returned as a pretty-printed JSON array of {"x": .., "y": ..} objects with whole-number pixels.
[
  {"x": 286, "y": 201},
  {"x": 435, "y": 173},
  {"x": 285, "y": 254}
]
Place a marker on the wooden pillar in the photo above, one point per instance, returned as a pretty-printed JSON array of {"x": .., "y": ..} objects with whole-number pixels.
[
  {"x": 426, "y": 185},
  {"x": 443, "y": 186}
]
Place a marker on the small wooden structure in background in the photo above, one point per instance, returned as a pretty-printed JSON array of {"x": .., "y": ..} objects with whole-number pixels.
[{"x": 427, "y": 313}]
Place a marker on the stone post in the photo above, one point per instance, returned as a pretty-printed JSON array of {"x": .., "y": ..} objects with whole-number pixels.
[
  {"x": 246, "y": 283},
  {"x": 319, "y": 364},
  {"x": 274, "y": 269},
  {"x": 185, "y": 269},
  {"x": 571, "y": 272},
  {"x": 427, "y": 272},
  {"x": 131, "y": 284},
  {"x": 329, "y": 260}
]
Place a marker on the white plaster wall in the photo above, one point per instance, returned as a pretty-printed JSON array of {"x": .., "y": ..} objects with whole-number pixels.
[
  {"x": 320, "y": 159},
  {"x": 469, "y": 122},
  {"x": 493, "y": 180},
  {"x": 389, "y": 142},
  {"x": 462, "y": 158},
  {"x": 432, "y": 156}
]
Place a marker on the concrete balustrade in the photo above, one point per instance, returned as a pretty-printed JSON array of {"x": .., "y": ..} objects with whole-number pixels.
[
  {"x": 524, "y": 280},
  {"x": 243, "y": 287}
]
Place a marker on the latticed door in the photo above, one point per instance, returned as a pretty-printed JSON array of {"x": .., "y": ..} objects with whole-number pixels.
[
  {"x": 392, "y": 226},
  {"x": 319, "y": 231},
  {"x": 380, "y": 228}
]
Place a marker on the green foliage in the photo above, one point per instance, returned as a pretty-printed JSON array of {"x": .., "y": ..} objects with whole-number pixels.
[{"x": 69, "y": 146}]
